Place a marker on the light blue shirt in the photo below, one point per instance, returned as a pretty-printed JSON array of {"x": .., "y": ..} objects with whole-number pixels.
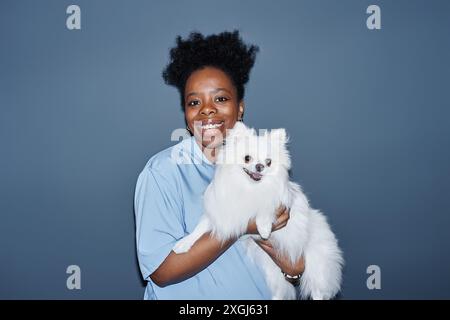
[{"x": 168, "y": 205}]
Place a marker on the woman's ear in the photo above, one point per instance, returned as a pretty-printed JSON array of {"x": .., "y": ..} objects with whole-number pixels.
[{"x": 241, "y": 110}]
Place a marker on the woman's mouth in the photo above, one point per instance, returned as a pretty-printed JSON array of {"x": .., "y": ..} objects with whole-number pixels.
[
  {"x": 210, "y": 131},
  {"x": 209, "y": 124},
  {"x": 254, "y": 175}
]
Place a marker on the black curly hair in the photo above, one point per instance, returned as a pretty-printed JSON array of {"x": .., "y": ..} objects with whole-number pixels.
[{"x": 225, "y": 51}]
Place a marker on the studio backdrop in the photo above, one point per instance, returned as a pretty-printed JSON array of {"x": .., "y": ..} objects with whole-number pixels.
[{"x": 362, "y": 88}]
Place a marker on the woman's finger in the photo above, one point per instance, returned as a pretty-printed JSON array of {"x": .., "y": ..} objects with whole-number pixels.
[
  {"x": 276, "y": 224},
  {"x": 287, "y": 213},
  {"x": 283, "y": 217},
  {"x": 280, "y": 210},
  {"x": 264, "y": 242},
  {"x": 266, "y": 246},
  {"x": 279, "y": 226}
]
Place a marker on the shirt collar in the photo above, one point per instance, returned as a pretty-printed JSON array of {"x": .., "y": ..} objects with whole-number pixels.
[{"x": 197, "y": 152}]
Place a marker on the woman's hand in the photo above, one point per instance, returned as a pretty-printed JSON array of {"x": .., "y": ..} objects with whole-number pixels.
[
  {"x": 282, "y": 220},
  {"x": 283, "y": 262}
]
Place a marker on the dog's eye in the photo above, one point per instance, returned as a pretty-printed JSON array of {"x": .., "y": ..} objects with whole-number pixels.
[
  {"x": 268, "y": 162},
  {"x": 247, "y": 159}
]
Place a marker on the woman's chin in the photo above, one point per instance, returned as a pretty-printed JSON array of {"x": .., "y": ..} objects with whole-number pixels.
[
  {"x": 212, "y": 139},
  {"x": 212, "y": 144}
]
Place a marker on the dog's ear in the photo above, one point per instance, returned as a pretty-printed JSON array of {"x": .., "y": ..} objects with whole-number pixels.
[
  {"x": 238, "y": 130},
  {"x": 279, "y": 135},
  {"x": 279, "y": 153}
]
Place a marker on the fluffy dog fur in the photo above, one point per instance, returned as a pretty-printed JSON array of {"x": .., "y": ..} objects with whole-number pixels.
[{"x": 251, "y": 181}]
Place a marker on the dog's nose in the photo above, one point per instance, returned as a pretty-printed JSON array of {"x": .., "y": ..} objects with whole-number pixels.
[{"x": 259, "y": 167}]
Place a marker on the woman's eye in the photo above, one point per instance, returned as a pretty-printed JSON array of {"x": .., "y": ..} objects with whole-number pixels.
[
  {"x": 193, "y": 103},
  {"x": 221, "y": 99}
]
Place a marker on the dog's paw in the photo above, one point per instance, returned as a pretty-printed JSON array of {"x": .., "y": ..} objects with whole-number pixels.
[
  {"x": 265, "y": 231},
  {"x": 182, "y": 246}
]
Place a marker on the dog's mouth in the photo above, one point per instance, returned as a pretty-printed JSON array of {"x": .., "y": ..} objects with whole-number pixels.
[{"x": 254, "y": 175}]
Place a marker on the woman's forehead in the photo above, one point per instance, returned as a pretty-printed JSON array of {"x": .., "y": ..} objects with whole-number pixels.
[{"x": 208, "y": 79}]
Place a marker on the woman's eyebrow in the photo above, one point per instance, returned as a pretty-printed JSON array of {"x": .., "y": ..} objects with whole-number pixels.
[
  {"x": 191, "y": 94},
  {"x": 212, "y": 91},
  {"x": 219, "y": 89}
]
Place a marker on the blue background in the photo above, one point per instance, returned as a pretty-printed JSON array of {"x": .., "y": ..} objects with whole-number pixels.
[{"x": 82, "y": 111}]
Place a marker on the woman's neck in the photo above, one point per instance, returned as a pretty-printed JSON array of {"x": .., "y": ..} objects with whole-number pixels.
[{"x": 210, "y": 153}]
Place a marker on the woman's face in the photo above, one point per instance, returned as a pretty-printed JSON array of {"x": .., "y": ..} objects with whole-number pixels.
[{"x": 211, "y": 105}]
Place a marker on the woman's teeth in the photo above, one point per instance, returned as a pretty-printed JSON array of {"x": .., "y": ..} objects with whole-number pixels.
[{"x": 212, "y": 126}]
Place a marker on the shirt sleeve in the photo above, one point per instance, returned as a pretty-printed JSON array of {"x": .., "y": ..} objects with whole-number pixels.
[{"x": 159, "y": 219}]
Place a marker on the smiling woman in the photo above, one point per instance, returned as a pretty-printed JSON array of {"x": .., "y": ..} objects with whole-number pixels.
[
  {"x": 210, "y": 74},
  {"x": 212, "y": 107}
]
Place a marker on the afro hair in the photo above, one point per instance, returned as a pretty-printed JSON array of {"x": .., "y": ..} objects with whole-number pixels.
[{"x": 225, "y": 51}]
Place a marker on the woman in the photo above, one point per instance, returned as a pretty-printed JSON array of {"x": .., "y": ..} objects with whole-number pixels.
[{"x": 210, "y": 74}]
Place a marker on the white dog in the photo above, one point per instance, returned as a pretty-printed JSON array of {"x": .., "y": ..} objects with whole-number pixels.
[{"x": 251, "y": 181}]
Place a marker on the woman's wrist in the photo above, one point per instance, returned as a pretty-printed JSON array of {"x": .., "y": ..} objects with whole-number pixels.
[
  {"x": 294, "y": 280},
  {"x": 293, "y": 272}
]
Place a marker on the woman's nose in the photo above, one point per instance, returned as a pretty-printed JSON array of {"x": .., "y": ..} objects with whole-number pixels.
[{"x": 208, "y": 109}]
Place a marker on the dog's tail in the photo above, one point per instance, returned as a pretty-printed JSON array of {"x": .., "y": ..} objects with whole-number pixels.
[{"x": 323, "y": 261}]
